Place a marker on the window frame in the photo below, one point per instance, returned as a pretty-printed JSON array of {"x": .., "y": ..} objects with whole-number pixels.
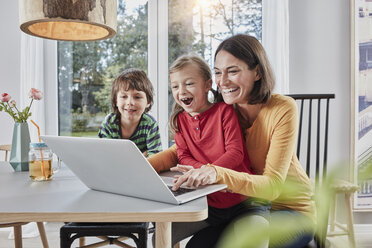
[
  {"x": 157, "y": 68},
  {"x": 51, "y": 87},
  {"x": 158, "y": 63}
]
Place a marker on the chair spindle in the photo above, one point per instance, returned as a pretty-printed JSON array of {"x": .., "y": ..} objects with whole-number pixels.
[{"x": 308, "y": 153}]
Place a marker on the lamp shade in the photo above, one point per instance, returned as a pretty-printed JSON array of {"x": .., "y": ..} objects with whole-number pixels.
[{"x": 69, "y": 20}]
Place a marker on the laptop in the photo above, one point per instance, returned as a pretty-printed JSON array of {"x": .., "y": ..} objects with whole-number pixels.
[{"x": 118, "y": 166}]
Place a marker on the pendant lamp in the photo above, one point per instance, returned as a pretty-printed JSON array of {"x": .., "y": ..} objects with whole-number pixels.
[{"x": 69, "y": 20}]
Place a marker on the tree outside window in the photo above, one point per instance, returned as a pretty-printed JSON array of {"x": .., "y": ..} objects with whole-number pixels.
[{"x": 86, "y": 70}]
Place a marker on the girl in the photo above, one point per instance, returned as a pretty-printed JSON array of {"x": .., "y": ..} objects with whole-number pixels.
[
  {"x": 131, "y": 99},
  {"x": 207, "y": 133}
]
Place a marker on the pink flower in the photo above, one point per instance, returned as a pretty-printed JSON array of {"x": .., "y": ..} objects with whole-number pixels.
[
  {"x": 35, "y": 94},
  {"x": 10, "y": 107},
  {"x": 12, "y": 103},
  {"x": 5, "y": 97}
]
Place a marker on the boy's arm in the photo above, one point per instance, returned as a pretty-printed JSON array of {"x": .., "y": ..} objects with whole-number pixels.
[
  {"x": 164, "y": 160},
  {"x": 153, "y": 141},
  {"x": 183, "y": 152},
  {"x": 234, "y": 141}
]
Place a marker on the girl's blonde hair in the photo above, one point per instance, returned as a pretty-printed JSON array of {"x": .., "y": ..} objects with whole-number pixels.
[
  {"x": 180, "y": 63},
  {"x": 128, "y": 80}
]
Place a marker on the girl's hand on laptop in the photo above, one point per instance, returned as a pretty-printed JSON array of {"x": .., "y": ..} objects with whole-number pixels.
[{"x": 194, "y": 177}]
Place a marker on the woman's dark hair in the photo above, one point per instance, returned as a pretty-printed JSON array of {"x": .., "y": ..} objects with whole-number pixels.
[
  {"x": 249, "y": 49},
  {"x": 128, "y": 80}
]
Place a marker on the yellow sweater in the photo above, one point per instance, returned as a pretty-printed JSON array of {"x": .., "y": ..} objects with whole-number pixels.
[{"x": 271, "y": 147}]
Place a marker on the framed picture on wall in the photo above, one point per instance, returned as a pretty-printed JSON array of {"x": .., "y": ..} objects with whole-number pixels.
[{"x": 361, "y": 114}]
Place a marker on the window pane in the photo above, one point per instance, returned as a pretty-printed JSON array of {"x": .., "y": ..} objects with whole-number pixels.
[
  {"x": 198, "y": 26},
  {"x": 86, "y": 70},
  {"x": 369, "y": 54}
]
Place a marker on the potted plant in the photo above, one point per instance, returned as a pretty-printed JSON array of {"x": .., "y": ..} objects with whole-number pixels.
[{"x": 21, "y": 135}]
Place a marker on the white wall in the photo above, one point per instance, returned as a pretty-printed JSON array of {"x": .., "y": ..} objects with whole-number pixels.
[
  {"x": 319, "y": 62},
  {"x": 10, "y": 44}
]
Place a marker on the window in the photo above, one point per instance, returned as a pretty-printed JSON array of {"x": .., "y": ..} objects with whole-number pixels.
[
  {"x": 146, "y": 31},
  {"x": 87, "y": 69},
  {"x": 199, "y": 26}
]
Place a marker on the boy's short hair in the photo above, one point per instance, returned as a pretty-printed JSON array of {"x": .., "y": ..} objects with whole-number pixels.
[{"x": 131, "y": 79}]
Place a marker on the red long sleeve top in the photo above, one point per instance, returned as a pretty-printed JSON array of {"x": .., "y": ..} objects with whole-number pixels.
[{"x": 214, "y": 137}]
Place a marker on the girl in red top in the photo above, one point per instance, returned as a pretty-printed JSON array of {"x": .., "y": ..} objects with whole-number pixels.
[{"x": 207, "y": 133}]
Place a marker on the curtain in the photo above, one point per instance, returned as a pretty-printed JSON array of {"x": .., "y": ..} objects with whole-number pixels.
[
  {"x": 32, "y": 76},
  {"x": 275, "y": 39}
]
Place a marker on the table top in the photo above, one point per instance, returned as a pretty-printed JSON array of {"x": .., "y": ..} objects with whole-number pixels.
[{"x": 65, "y": 198}]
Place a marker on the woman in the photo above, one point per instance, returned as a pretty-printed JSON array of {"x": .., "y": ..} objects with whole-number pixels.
[{"x": 269, "y": 122}]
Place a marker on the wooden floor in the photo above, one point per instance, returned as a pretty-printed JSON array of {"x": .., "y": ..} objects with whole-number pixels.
[{"x": 52, "y": 229}]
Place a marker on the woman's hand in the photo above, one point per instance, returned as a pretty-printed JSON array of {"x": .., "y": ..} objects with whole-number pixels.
[
  {"x": 182, "y": 168},
  {"x": 194, "y": 177}
]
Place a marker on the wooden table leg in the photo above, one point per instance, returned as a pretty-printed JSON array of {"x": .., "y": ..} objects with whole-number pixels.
[
  {"x": 44, "y": 240},
  {"x": 163, "y": 232},
  {"x": 17, "y": 236}
]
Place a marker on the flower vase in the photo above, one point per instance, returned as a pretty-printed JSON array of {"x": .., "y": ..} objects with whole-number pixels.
[{"x": 20, "y": 147}]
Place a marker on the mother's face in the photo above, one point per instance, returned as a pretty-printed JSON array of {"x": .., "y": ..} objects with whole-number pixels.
[{"x": 234, "y": 78}]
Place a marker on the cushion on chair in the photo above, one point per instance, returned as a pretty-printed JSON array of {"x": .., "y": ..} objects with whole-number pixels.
[{"x": 342, "y": 186}]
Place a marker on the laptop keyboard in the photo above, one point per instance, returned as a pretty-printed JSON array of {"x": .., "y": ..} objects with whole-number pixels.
[{"x": 180, "y": 191}]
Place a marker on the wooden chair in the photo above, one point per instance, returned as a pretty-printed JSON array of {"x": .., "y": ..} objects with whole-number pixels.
[
  {"x": 6, "y": 149},
  {"x": 17, "y": 226},
  {"x": 312, "y": 151}
]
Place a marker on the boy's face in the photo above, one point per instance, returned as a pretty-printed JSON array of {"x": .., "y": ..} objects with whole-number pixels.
[
  {"x": 190, "y": 90},
  {"x": 131, "y": 104}
]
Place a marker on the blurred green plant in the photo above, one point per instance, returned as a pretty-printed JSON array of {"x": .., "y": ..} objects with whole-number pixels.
[{"x": 247, "y": 233}]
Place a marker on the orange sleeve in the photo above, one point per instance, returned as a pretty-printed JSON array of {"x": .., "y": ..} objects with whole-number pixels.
[
  {"x": 164, "y": 160},
  {"x": 281, "y": 133}
]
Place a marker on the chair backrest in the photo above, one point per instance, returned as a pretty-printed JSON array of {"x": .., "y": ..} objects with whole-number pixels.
[
  {"x": 312, "y": 142},
  {"x": 312, "y": 148}
]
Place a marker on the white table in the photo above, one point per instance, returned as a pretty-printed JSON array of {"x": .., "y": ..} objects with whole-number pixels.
[{"x": 67, "y": 199}]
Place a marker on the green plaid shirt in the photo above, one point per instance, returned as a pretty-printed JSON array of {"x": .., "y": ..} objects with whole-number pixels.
[{"x": 146, "y": 136}]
